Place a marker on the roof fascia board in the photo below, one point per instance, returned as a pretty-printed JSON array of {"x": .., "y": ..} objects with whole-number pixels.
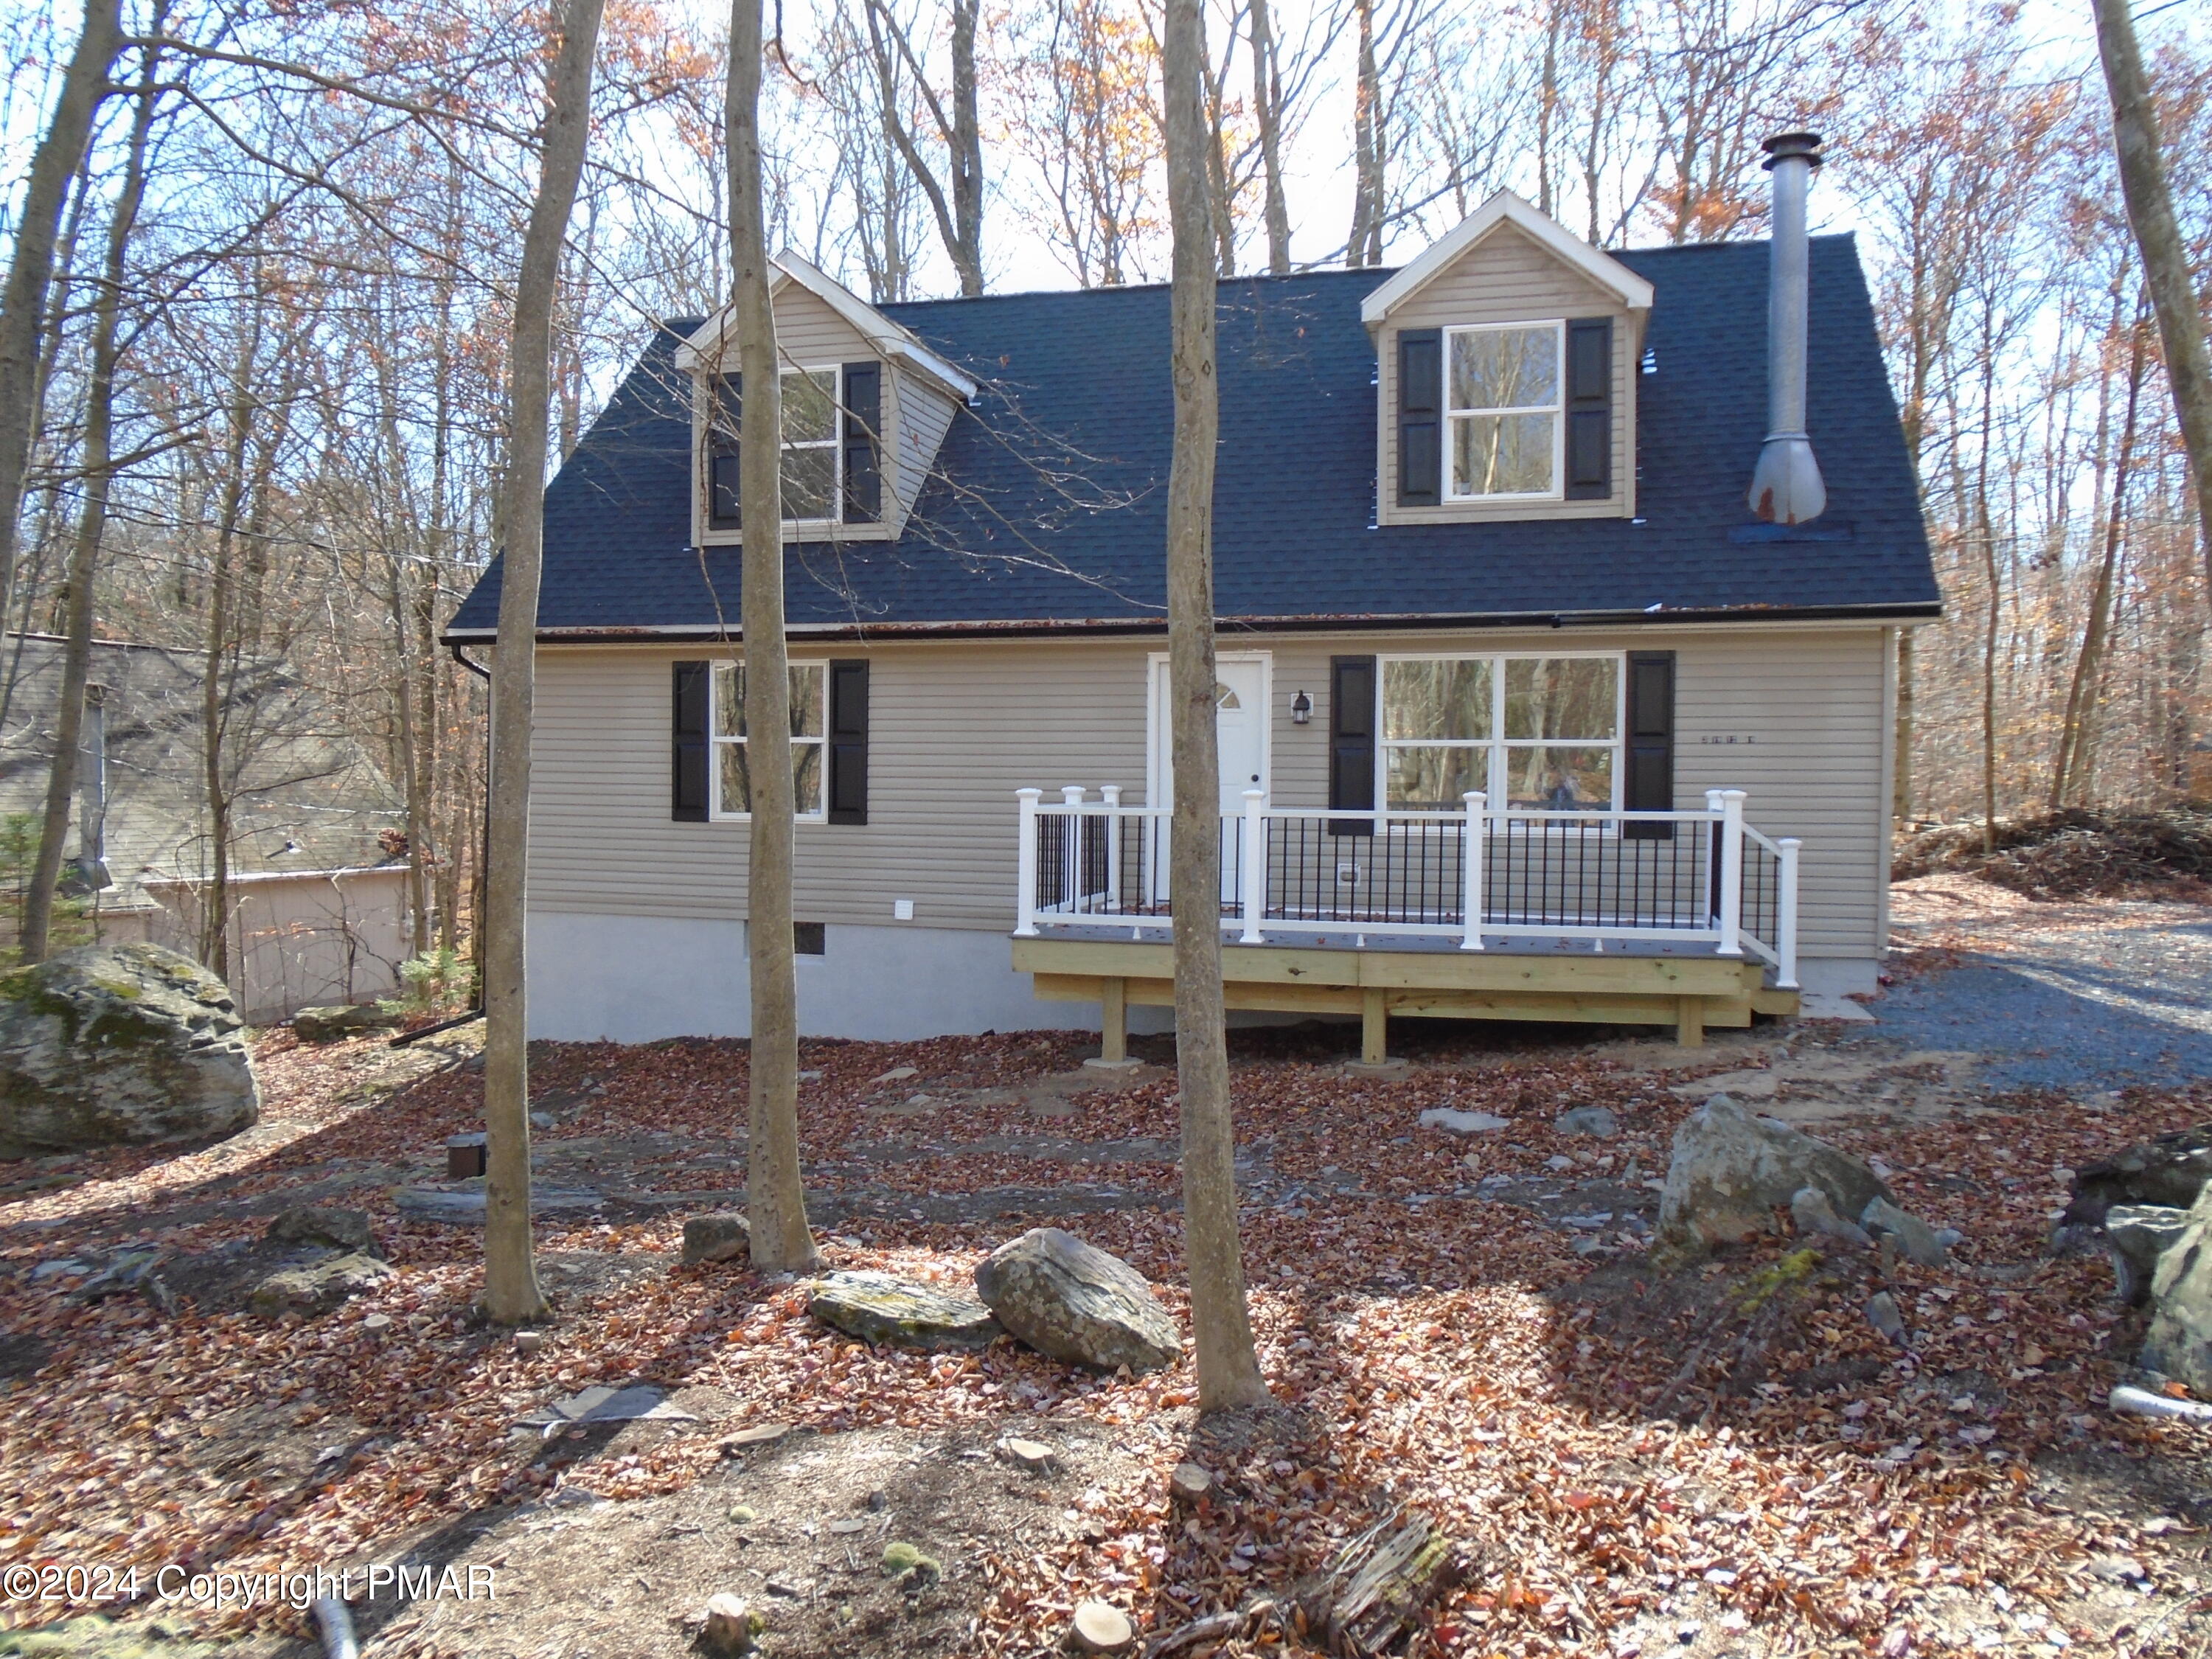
[
  {"x": 1833, "y": 616},
  {"x": 883, "y": 334},
  {"x": 1504, "y": 208}
]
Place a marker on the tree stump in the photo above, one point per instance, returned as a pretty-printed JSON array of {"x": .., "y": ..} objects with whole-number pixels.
[{"x": 1372, "y": 1595}]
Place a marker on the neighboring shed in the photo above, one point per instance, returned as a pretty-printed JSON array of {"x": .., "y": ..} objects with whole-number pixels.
[{"x": 316, "y": 902}]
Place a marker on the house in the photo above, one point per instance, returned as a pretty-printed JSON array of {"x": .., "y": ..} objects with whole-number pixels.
[
  {"x": 1500, "y": 637},
  {"x": 316, "y": 905}
]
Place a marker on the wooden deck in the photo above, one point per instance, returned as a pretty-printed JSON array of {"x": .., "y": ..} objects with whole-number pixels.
[{"x": 1688, "y": 992}]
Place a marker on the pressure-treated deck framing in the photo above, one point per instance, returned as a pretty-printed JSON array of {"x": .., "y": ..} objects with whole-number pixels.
[{"x": 1689, "y": 992}]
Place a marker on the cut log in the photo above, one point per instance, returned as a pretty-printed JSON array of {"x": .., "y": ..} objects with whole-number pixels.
[{"x": 1372, "y": 1596}]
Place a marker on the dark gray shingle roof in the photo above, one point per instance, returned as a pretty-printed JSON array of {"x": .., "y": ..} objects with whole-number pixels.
[{"x": 1047, "y": 508}]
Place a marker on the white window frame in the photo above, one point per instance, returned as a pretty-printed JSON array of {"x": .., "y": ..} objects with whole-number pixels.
[
  {"x": 1557, "y": 409},
  {"x": 717, "y": 740},
  {"x": 1497, "y": 744},
  {"x": 835, "y": 443}
]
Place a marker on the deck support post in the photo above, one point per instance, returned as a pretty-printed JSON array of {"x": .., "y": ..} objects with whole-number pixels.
[
  {"x": 1025, "y": 866},
  {"x": 1690, "y": 1022},
  {"x": 1114, "y": 1021},
  {"x": 1731, "y": 873},
  {"x": 1374, "y": 1028},
  {"x": 1472, "y": 857},
  {"x": 1785, "y": 914},
  {"x": 1252, "y": 885}
]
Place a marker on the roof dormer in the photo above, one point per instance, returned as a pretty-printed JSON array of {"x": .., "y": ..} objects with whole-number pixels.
[
  {"x": 865, "y": 404},
  {"x": 1506, "y": 374}
]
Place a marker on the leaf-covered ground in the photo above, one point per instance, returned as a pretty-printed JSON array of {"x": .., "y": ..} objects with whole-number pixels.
[{"x": 1723, "y": 1460}]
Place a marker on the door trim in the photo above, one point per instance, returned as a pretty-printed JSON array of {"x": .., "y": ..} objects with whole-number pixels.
[{"x": 1157, "y": 771}]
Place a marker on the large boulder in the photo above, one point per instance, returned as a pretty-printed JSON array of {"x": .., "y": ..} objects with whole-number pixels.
[
  {"x": 1073, "y": 1302},
  {"x": 2179, "y": 1343},
  {"x": 900, "y": 1314},
  {"x": 2169, "y": 1172},
  {"x": 120, "y": 1043},
  {"x": 1731, "y": 1170}
]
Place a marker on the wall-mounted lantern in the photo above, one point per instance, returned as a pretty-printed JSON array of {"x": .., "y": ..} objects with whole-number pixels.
[{"x": 1301, "y": 710}]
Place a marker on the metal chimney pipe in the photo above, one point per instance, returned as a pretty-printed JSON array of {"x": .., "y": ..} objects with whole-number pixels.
[{"x": 1786, "y": 486}]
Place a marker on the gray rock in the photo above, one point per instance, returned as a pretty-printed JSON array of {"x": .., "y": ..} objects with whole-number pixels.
[
  {"x": 1066, "y": 1299},
  {"x": 324, "y": 1229},
  {"x": 1598, "y": 1121},
  {"x": 328, "y": 1024},
  {"x": 1810, "y": 1209},
  {"x": 1453, "y": 1122},
  {"x": 2179, "y": 1342},
  {"x": 1914, "y": 1238},
  {"x": 877, "y": 1308},
  {"x": 1881, "y": 1313},
  {"x": 2168, "y": 1172},
  {"x": 120, "y": 1043},
  {"x": 601, "y": 1403},
  {"x": 1730, "y": 1171},
  {"x": 463, "y": 1206},
  {"x": 724, "y": 1236},
  {"x": 317, "y": 1287},
  {"x": 2139, "y": 1234}
]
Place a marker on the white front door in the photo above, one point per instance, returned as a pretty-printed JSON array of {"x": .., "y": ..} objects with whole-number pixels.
[{"x": 1240, "y": 706}]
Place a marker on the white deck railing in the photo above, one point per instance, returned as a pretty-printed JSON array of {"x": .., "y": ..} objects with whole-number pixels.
[{"x": 1650, "y": 878}]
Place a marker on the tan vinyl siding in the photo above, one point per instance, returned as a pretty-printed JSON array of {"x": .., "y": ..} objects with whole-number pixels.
[
  {"x": 925, "y": 415},
  {"x": 957, "y": 728},
  {"x": 1507, "y": 278}
]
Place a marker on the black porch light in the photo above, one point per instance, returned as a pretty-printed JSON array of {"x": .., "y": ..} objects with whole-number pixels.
[{"x": 1301, "y": 710}]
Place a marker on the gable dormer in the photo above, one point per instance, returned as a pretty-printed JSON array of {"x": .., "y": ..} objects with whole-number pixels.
[
  {"x": 1506, "y": 374},
  {"x": 865, "y": 404}
]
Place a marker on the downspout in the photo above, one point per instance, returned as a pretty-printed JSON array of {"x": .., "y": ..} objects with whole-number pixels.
[
  {"x": 1786, "y": 486},
  {"x": 484, "y": 854}
]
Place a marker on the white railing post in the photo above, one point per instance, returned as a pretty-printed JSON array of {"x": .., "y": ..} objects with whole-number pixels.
[
  {"x": 1731, "y": 873},
  {"x": 1025, "y": 865},
  {"x": 1070, "y": 852},
  {"x": 1111, "y": 794},
  {"x": 1785, "y": 913},
  {"x": 1471, "y": 884},
  {"x": 1252, "y": 885}
]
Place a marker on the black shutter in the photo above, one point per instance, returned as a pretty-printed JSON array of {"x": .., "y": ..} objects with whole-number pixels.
[
  {"x": 1352, "y": 742},
  {"x": 1651, "y": 782},
  {"x": 1420, "y": 416},
  {"x": 864, "y": 425},
  {"x": 722, "y": 417},
  {"x": 695, "y": 683},
  {"x": 848, "y": 742},
  {"x": 1589, "y": 408}
]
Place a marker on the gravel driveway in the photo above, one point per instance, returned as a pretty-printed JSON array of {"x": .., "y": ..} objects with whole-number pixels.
[{"x": 2076, "y": 997}]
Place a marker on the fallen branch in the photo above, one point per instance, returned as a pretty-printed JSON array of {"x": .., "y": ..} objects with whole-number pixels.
[{"x": 335, "y": 1625}]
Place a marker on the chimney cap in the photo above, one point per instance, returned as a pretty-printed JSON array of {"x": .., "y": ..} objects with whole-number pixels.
[{"x": 1792, "y": 147}]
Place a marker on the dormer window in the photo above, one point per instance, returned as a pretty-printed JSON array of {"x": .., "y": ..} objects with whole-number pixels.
[
  {"x": 1506, "y": 420},
  {"x": 830, "y": 472}
]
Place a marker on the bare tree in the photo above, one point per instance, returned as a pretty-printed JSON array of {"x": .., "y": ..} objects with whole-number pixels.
[
  {"x": 774, "y": 1195},
  {"x": 957, "y": 200},
  {"x": 23, "y": 305},
  {"x": 2164, "y": 255},
  {"x": 1228, "y": 1367},
  {"x": 97, "y": 461},
  {"x": 511, "y": 1293}
]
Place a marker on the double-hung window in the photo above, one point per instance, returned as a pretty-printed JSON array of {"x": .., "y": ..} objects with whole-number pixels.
[
  {"x": 813, "y": 442},
  {"x": 1502, "y": 408},
  {"x": 1540, "y": 732},
  {"x": 732, "y": 772}
]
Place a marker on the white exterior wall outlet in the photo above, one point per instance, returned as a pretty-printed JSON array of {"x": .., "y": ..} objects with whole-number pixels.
[{"x": 901, "y": 909}]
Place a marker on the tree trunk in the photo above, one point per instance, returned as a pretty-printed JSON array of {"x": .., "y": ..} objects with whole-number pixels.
[
  {"x": 1267, "y": 114},
  {"x": 1228, "y": 1369},
  {"x": 1364, "y": 246},
  {"x": 511, "y": 1294},
  {"x": 84, "y": 556},
  {"x": 775, "y": 1197},
  {"x": 215, "y": 898},
  {"x": 965, "y": 141},
  {"x": 1900, "y": 788},
  {"x": 2070, "y": 769},
  {"x": 23, "y": 305},
  {"x": 2164, "y": 255}
]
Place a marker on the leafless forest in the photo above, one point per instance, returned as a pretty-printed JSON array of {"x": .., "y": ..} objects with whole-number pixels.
[{"x": 272, "y": 358}]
